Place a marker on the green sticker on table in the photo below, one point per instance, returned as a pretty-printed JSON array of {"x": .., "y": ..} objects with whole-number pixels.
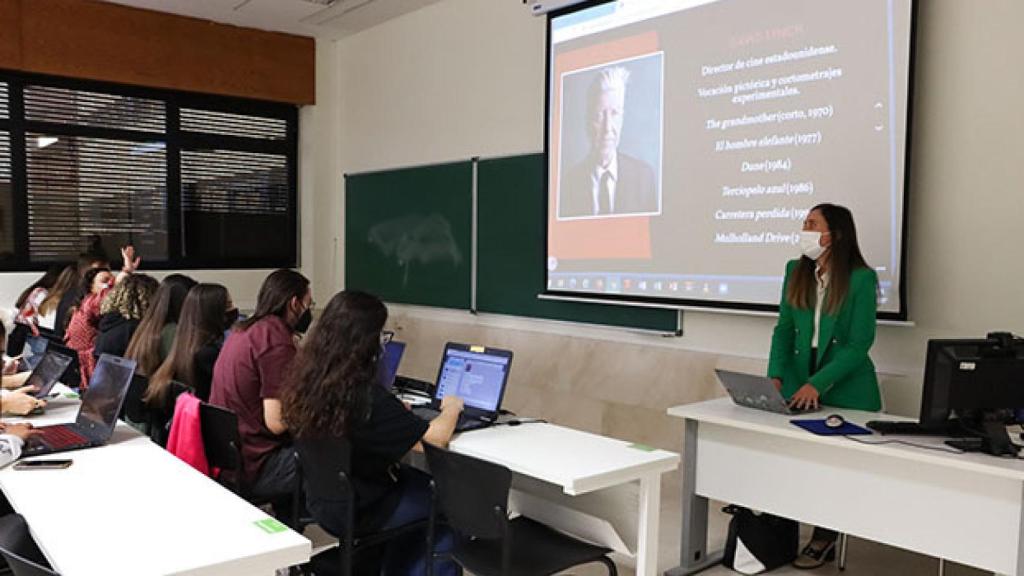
[
  {"x": 270, "y": 525},
  {"x": 643, "y": 447},
  {"x": 71, "y": 395}
]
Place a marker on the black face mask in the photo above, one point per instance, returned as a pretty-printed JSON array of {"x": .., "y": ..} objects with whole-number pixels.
[
  {"x": 304, "y": 321},
  {"x": 230, "y": 317}
]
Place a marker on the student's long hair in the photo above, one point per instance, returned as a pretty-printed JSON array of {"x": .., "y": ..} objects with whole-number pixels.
[
  {"x": 844, "y": 257},
  {"x": 201, "y": 323},
  {"x": 131, "y": 297},
  {"x": 47, "y": 280},
  {"x": 66, "y": 281},
  {"x": 144, "y": 347},
  {"x": 332, "y": 374},
  {"x": 276, "y": 292}
]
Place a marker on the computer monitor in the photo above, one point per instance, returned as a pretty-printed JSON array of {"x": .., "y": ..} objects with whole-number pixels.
[{"x": 977, "y": 382}]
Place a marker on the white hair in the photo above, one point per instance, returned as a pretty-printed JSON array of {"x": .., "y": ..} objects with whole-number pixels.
[{"x": 614, "y": 78}]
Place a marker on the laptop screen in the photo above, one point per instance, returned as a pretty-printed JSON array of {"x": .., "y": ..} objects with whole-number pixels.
[
  {"x": 478, "y": 377},
  {"x": 388, "y": 368},
  {"x": 32, "y": 354},
  {"x": 107, "y": 389},
  {"x": 47, "y": 372}
]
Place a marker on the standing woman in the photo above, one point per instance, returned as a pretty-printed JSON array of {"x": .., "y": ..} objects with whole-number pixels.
[{"x": 826, "y": 327}]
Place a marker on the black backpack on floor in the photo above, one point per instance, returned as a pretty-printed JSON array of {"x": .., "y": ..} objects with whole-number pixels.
[{"x": 759, "y": 542}]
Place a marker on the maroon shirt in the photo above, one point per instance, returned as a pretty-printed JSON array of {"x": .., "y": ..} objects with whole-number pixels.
[{"x": 252, "y": 366}]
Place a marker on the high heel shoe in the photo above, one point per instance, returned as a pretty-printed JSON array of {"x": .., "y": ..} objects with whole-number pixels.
[{"x": 815, "y": 554}]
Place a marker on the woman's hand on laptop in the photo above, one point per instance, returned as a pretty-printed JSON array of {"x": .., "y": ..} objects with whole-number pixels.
[
  {"x": 22, "y": 431},
  {"x": 19, "y": 403},
  {"x": 452, "y": 403},
  {"x": 778, "y": 383},
  {"x": 806, "y": 398}
]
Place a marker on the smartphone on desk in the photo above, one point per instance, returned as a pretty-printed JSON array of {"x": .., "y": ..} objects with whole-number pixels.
[{"x": 42, "y": 464}]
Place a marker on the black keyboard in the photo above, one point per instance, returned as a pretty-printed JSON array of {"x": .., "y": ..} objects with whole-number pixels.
[
  {"x": 912, "y": 428},
  {"x": 465, "y": 422}
]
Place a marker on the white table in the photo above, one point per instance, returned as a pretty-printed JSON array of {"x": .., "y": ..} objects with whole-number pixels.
[
  {"x": 579, "y": 463},
  {"x": 966, "y": 508},
  {"x": 131, "y": 508}
]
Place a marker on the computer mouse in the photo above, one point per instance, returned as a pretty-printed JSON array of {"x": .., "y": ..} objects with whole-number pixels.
[
  {"x": 514, "y": 422},
  {"x": 834, "y": 421}
]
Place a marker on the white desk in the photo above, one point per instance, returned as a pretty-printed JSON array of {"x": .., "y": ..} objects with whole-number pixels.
[
  {"x": 130, "y": 508},
  {"x": 962, "y": 507},
  {"x": 579, "y": 463}
]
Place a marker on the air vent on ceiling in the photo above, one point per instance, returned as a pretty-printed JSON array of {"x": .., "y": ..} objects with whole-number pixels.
[{"x": 321, "y": 2}]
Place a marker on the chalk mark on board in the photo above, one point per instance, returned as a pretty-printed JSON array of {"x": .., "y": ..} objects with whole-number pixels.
[{"x": 416, "y": 239}]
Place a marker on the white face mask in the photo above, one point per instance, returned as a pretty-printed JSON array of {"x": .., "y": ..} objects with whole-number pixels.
[{"x": 810, "y": 245}]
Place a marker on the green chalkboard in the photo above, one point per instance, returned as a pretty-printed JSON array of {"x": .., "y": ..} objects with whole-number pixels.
[
  {"x": 510, "y": 239},
  {"x": 408, "y": 234}
]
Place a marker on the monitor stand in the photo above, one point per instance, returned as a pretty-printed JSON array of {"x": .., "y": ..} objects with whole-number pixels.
[{"x": 987, "y": 434}]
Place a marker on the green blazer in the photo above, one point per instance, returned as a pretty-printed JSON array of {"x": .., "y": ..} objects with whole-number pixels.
[{"x": 845, "y": 376}]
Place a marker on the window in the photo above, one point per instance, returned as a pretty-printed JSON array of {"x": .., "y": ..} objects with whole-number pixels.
[{"x": 191, "y": 181}]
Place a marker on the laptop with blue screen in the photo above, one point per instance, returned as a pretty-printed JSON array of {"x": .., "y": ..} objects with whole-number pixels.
[
  {"x": 388, "y": 368},
  {"x": 476, "y": 374}
]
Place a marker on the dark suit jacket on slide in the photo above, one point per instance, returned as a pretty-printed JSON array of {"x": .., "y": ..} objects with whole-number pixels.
[{"x": 635, "y": 190}]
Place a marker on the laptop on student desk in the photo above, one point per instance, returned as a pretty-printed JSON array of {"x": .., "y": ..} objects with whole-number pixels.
[
  {"x": 476, "y": 374},
  {"x": 97, "y": 415},
  {"x": 393, "y": 351},
  {"x": 756, "y": 392},
  {"x": 47, "y": 372}
]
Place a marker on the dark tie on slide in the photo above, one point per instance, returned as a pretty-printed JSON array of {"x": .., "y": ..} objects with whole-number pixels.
[{"x": 604, "y": 194}]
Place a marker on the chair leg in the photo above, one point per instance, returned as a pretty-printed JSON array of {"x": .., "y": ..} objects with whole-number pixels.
[
  {"x": 612, "y": 569},
  {"x": 942, "y": 567},
  {"x": 844, "y": 543}
]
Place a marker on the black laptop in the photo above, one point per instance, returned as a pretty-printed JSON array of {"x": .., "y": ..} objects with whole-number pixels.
[
  {"x": 476, "y": 374},
  {"x": 97, "y": 416},
  {"x": 47, "y": 372},
  {"x": 37, "y": 346}
]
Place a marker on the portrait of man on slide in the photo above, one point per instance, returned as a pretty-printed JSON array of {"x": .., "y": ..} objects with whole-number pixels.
[{"x": 608, "y": 181}]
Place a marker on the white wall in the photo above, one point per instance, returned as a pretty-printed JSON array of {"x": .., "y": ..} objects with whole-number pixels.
[{"x": 465, "y": 77}]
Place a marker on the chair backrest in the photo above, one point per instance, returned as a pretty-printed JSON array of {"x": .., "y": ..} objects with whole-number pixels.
[
  {"x": 19, "y": 550},
  {"x": 134, "y": 408},
  {"x": 472, "y": 493},
  {"x": 221, "y": 440},
  {"x": 322, "y": 461}
]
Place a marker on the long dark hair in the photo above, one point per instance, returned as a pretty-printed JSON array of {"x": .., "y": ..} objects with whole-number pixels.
[
  {"x": 334, "y": 371},
  {"x": 144, "y": 347},
  {"x": 844, "y": 257},
  {"x": 66, "y": 281},
  {"x": 201, "y": 323},
  {"x": 276, "y": 292},
  {"x": 47, "y": 280}
]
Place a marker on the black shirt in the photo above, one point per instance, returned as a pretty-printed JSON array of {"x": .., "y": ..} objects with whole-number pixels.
[
  {"x": 115, "y": 332},
  {"x": 202, "y": 369},
  {"x": 377, "y": 444}
]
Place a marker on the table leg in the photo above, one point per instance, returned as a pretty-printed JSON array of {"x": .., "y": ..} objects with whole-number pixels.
[
  {"x": 647, "y": 531},
  {"x": 693, "y": 554}
]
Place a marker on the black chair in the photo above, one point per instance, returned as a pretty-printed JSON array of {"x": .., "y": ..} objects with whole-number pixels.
[
  {"x": 473, "y": 496},
  {"x": 223, "y": 445},
  {"x": 19, "y": 550},
  {"x": 324, "y": 466}
]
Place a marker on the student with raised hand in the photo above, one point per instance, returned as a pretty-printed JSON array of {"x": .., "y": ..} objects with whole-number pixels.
[
  {"x": 333, "y": 393},
  {"x": 249, "y": 378},
  {"x": 121, "y": 313},
  {"x": 152, "y": 341},
  {"x": 84, "y": 325},
  {"x": 196, "y": 346},
  {"x": 73, "y": 297},
  {"x": 826, "y": 326}
]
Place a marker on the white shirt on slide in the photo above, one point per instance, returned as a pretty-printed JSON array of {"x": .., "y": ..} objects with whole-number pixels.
[{"x": 595, "y": 181}]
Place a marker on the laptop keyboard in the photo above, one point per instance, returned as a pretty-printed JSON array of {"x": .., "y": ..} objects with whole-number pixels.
[
  {"x": 465, "y": 422},
  {"x": 58, "y": 437}
]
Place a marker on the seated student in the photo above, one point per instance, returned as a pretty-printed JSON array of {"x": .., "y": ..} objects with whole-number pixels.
[
  {"x": 196, "y": 346},
  {"x": 84, "y": 325},
  {"x": 333, "y": 393},
  {"x": 152, "y": 340},
  {"x": 249, "y": 377},
  {"x": 121, "y": 312},
  {"x": 28, "y": 304},
  {"x": 73, "y": 297},
  {"x": 15, "y": 399},
  {"x": 47, "y": 311}
]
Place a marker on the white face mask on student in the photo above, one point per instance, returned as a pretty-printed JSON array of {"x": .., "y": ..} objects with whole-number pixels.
[{"x": 810, "y": 245}]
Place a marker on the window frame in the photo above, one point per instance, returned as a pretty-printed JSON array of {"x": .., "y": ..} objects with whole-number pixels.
[{"x": 176, "y": 140}]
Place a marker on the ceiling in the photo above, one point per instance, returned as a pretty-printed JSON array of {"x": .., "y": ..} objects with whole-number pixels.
[{"x": 329, "y": 19}]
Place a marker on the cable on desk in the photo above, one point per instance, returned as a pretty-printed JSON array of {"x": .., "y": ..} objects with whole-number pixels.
[{"x": 948, "y": 449}]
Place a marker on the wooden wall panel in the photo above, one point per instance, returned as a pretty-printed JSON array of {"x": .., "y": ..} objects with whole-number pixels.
[
  {"x": 10, "y": 34},
  {"x": 100, "y": 41}
]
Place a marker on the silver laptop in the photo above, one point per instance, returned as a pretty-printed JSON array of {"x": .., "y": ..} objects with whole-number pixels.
[{"x": 756, "y": 392}]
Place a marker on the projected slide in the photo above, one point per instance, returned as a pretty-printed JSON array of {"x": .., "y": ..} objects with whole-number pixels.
[{"x": 687, "y": 140}]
